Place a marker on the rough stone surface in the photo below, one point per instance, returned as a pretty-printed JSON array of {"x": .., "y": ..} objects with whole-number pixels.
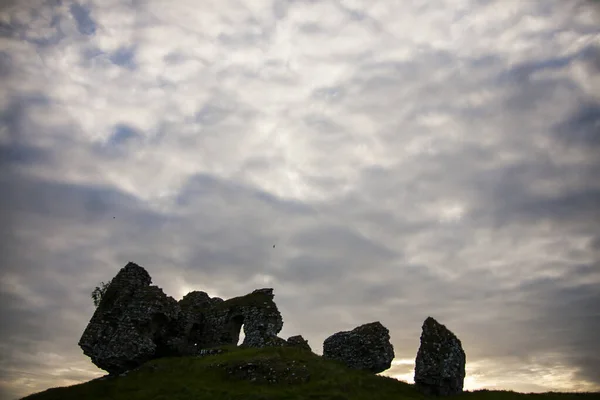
[
  {"x": 275, "y": 341},
  {"x": 256, "y": 312},
  {"x": 132, "y": 315},
  {"x": 366, "y": 347},
  {"x": 298, "y": 341},
  {"x": 136, "y": 322},
  {"x": 440, "y": 363}
]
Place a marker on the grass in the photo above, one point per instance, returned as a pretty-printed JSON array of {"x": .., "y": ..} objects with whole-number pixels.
[
  {"x": 259, "y": 374},
  {"x": 507, "y": 394}
]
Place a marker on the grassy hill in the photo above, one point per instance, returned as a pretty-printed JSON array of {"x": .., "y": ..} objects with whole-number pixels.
[{"x": 283, "y": 373}]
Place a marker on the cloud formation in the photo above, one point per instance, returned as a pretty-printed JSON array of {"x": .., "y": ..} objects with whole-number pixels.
[{"x": 411, "y": 159}]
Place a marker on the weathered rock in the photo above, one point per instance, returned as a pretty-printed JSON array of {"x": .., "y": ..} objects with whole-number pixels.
[
  {"x": 136, "y": 322},
  {"x": 129, "y": 321},
  {"x": 440, "y": 363},
  {"x": 366, "y": 347},
  {"x": 186, "y": 335},
  {"x": 207, "y": 322},
  {"x": 275, "y": 341},
  {"x": 298, "y": 341},
  {"x": 256, "y": 312}
]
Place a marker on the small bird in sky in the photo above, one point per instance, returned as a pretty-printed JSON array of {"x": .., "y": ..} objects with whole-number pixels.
[{"x": 273, "y": 246}]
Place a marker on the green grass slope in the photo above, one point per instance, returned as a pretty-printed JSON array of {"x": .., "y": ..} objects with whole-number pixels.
[{"x": 259, "y": 374}]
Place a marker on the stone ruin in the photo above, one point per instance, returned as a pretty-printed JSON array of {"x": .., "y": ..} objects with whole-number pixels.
[
  {"x": 440, "y": 363},
  {"x": 136, "y": 322},
  {"x": 366, "y": 348}
]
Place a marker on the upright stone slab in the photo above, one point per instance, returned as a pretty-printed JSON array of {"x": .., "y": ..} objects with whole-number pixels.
[
  {"x": 366, "y": 348},
  {"x": 440, "y": 363},
  {"x": 130, "y": 319}
]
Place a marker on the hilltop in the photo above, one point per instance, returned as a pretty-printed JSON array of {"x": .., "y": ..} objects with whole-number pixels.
[
  {"x": 260, "y": 374},
  {"x": 154, "y": 347},
  {"x": 136, "y": 322}
]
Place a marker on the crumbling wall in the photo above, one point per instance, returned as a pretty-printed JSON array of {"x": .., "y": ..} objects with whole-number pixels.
[{"x": 136, "y": 322}]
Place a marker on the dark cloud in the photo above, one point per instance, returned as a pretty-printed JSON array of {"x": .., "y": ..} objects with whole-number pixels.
[
  {"x": 591, "y": 55},
  {"x": 510, "y": 198},
  {"x": 575, "y": 206},
  {"x": 123, "y": 134},
  {"x": 594, "y": 243},
  {"x": 48, "y": 32},
  {"x": 23, "y": 155},
  {"x": 85, "y": 23},
  {"x": 340, "y": 243},
  {"x": 211, "y": 115},
  {"x": 400, "y": 173},
  {"x": 6, "y": 29},
  {"x": 525, "y": 70},
  {"x": 203, "y": 187},
  {"x": 582, "y": 129},
  {"x": 71, "y": 202},
  {"x": 124, "y": 57},
  {"x": 15, "y": 116},
  {"x": 34, "y": 286},
  {"x": 124, "y": 139},
  {"x": 5, "y": 64},
  {"x": 90, "y": 53},
  {"x": 567, "y": 317}
]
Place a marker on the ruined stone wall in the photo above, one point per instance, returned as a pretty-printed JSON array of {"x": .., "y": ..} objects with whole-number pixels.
[{"x": 136, "y": 322}]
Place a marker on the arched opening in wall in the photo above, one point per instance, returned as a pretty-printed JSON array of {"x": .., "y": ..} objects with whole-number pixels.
[
  {"x": 157, "y": 321},
  {"x": 157, "y": 326},
  {"x": 241, "y": 336},
  {"x": 237, "y": 332},
  {"x": 195, "y": 335}
]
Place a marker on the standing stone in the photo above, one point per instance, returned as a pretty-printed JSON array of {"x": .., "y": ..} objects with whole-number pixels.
[
  {"x": 440, "y": 363},
  {"x": 366, "y": 347},
  {"x": 129, "y": 321}
]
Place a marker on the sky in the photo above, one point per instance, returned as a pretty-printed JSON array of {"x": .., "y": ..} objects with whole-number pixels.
[{"x": 406, "y": 158}]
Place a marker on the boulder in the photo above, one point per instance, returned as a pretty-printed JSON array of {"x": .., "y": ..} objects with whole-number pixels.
[
  {"x": 298, "y": 341},
  {"x": 440, "y": 363},
  {"x": 131, "y": 318},
  {"x": 366, "y": 347}
]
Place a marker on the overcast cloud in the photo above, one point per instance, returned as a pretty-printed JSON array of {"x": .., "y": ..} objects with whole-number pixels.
[{"x": 406, "y": 158}]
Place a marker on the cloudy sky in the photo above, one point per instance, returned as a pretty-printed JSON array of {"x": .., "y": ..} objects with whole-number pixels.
[{"x": 406, "y": 158}]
